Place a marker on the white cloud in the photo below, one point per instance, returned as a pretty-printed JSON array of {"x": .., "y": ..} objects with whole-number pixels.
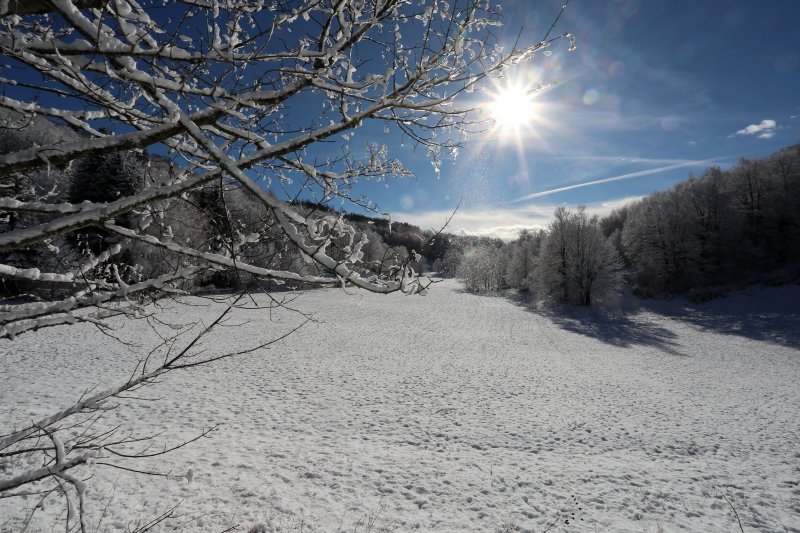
[
  {"x": 764, "y": 130},
  {"x": 500, "y": 222}
]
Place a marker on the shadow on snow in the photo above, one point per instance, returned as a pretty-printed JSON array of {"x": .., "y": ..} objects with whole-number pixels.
[
  {"x": 770, "y": 314},
  {"x": 618, "y": 328}
]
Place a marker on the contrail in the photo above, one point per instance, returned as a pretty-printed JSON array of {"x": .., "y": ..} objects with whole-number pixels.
[
  {"x": 631, "y": 159},
  {"x": 631, "y": 175}
]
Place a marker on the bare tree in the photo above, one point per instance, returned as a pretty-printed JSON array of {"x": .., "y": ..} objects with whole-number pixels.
[{"x": 231, "y": 92}]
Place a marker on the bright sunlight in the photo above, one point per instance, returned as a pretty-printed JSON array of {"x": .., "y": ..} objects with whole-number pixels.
[{"x": 512, "y": 108}]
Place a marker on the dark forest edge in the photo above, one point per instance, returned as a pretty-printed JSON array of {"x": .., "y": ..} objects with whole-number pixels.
[{"x": 720, "y": 230}]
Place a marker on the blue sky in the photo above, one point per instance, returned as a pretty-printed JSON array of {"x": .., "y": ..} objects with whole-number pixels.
[{"x": 655, "y": 90}]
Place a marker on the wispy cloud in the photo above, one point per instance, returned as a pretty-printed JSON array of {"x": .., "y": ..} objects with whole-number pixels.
[
  {"x": 502, "y": 223},
  {"x": 630, "y": 175},
  {"x": 763, "y": 130}
]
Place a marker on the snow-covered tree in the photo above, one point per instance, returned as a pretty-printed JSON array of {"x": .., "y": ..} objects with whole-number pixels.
[
  {"x": 451, "y": 261},
  {"x": 721, "y": 227},
  {"x": 230, "y": 92},
  {"x": 18, "y": 132},
  {"x": 483, "y": 267},
  {"x": 577, "y": 263},
  {"x": 594, "y": 261},
  {"x": 552, "y": 269},
  {"x": 523, "y": 254},
  {"x": 658, "y": 235},
  {"x": 103, "y": 178}
]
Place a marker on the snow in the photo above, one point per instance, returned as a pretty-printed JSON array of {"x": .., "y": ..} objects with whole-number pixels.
[{"x": 450, "y": 412}]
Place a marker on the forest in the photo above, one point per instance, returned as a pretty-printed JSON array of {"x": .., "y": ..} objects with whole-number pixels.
[{"x": 720, "y": 229}]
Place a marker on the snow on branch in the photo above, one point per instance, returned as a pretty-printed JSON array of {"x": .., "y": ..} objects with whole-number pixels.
[{"x": 150, "y": 152}]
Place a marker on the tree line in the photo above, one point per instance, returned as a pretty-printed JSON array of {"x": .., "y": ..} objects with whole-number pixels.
[
  {"x": 718, "y": 228},
  {"x": 721, "y": 228}
]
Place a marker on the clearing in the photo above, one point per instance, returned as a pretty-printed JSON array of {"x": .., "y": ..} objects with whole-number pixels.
[{"x": 448, "y": 412}]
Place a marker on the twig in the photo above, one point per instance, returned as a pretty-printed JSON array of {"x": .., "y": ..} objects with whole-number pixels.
[{"x": 734, "y": 512}]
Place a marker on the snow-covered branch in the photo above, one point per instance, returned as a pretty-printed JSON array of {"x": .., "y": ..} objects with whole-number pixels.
[{"x": 148, "y": 151}]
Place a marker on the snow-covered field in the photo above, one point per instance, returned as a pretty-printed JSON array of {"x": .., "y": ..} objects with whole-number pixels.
[{"x": 450, "y": 412}]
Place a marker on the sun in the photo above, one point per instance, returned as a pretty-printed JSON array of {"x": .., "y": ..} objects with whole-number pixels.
[{"x": 512, "y": 108}]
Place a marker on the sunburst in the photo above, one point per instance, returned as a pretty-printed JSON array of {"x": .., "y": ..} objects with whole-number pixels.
[{"x": 512, "y": 108}]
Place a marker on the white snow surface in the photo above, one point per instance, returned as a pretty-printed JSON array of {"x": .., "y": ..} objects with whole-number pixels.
[{"x": 446, "y": 412}]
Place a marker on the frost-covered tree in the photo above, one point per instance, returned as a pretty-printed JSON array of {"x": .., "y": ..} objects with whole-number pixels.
[
  {"x": 658, "y": 235},
  {"x": 552, "y": 270},
  {"x": 451, "y": 261},
  {"x": 483, "y": 267},
  {"x": 230, "y": 92},
  {"x": 375, "y": 251},
  {"x": 103, "y": 178},
  {"x": 721, "y": 227},
  {"x": 784, "y": 168},
  {"x": 594, "y": 261},
  {"x": 522, "y": 256},
  {"x": 18, "y": 132},
  {"x": 577, "y": 263}
]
